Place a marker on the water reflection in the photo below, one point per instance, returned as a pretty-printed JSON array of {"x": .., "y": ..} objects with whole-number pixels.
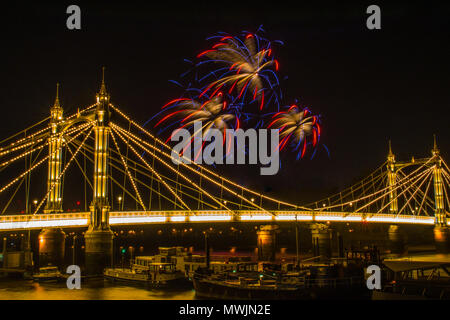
[{"x": 92, "y": 290}]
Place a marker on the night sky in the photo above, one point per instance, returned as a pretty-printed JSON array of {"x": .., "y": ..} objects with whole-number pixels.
[{"x": 369, "y": 85}]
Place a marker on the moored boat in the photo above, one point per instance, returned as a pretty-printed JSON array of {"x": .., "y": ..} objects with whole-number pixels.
[
  {"x": 184, "y": 262},
  {"x": 247, "y": 284},
  {"x": 48, "y": 274},
  {"x": 155, "y": 275}
]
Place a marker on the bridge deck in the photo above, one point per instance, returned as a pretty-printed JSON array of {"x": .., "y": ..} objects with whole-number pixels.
[{"x": 80, "y": 219}]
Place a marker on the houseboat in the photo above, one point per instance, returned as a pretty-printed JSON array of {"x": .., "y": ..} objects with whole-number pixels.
[
  {"x": 184, "y": 262},
  {"x": 148, "y": 273},
  {"x": 171, "y": 266},
  {"x": 48, "y": 274},
  {"x": 251, "y": 280}
]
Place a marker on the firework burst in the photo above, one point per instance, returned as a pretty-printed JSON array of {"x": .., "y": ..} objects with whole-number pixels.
[
  {"x": 295, "y": 126},
  {"x": 246, "y": 69},
  {"x": 225, "y": 81}
]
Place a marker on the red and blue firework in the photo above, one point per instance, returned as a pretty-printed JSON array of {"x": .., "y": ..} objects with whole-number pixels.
[
  {"x": 235, "y": 84},
  {"x": 295, "y": 127},
  {"x": 243, "y": 66}
]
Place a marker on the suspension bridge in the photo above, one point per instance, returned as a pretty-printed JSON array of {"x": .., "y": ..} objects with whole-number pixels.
[{"x": 125, "y": 175}]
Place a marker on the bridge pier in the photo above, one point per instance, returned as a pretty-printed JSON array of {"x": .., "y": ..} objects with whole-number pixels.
[
  {"x": 442, "y": 239},
  {"x": 396, "y": 240},
  {"x": 321, "y": 241},
  {"x": 99, "y": 250},
  {"x": 51, "y": 247},
  {"x": 267, "y": 242}
]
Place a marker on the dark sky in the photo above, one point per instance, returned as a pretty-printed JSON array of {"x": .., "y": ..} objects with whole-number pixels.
[{"x": 369, "y": 86}]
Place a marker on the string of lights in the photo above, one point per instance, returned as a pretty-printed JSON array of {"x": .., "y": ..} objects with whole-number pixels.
[
  {"x": 58, "y": 178},
  {"x": 25, "y": 131},
  {"x": 412, "y": 195},
  {"x": 145, "y": 173},
  {"x": 403, "y": 180},
  {"x": 428, "y": 200},
  {"x": 5, "y": 163},
  {"x": 221, "y": 204},
  {"x": 30, "y": 169},
  {"x": 135, "y": 138},
  {"x": 128, "y": 172},
  {"x": 162, "y": 143},
  {"x": 415, "y": 178}
]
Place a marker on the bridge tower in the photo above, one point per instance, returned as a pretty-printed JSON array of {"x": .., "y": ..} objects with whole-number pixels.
[
  {"x": 99, "y": 237},
  {"x": 392, "y": 176},
  {"x": 54, "y": 200},
  {"x": 395, "y": 235},
  {"x": 441, "y": 230},
  {"x": 52, "y": 240}
]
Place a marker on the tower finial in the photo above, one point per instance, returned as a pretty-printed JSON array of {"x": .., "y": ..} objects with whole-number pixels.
[
  {"x": 435, "y": 150},
  {"x": 390, "y": 157},
  {"x": 103, "y": 87},
  {"x": 56, "y": 104},
  {"x": 102, "y": 95}
]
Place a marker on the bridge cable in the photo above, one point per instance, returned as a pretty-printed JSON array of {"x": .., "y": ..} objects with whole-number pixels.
[
  {"x": 207, "y": 170},
  {"x": 133, "y": 137},
  {"x": 128, "y": 172},
  {"x": 62, "y": 172}
]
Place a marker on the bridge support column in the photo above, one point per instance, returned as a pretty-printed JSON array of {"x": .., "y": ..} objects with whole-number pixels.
[
  {"x": 442, "y": 239},
  {"x": 99, "y": 250},
  {"x": 267, "y": 242},
  {"x": 441, "y": 230},
  {"x": 99, "y": 237},
  {"x": 396, "y": 240},
  {"x": 54, "y": 186},
  {"x": 392, "y": 179},
  {"x": 321, "y": 241},
  {"x": 51, "y": 247}
]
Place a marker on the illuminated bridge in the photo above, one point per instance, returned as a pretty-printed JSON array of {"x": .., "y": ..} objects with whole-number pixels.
[{"x": 125, "y": 175}]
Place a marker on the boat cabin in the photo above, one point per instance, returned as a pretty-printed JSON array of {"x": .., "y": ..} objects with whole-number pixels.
[{"x": 146, "y": 264}]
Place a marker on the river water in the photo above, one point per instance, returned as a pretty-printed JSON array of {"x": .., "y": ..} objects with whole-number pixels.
[{"x": 91, "y": 290}]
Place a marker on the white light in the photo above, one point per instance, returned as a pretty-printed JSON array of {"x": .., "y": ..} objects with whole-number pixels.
[
  {"x": 80, "y": 219},
  {"x": 178, "y": 218},
  {"x": 42, "y": 224},
  {"x": 209, "y": 218},
  {"x": 400, "y": 219},
  {"x": 337, "y": 218},
  {"x": 129, "y": 220},
  {"x": 256, "y": 218},
  {"x": 292, "y": 218}
]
